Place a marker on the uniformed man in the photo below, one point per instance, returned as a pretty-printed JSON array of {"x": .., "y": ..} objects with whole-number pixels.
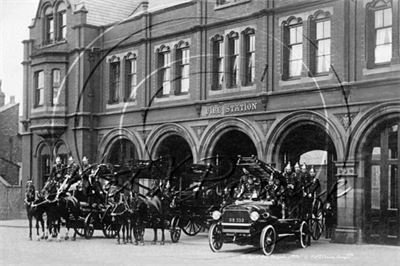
[
  {"x": 249, "y": 186},
  {"x": 57, "y": 171},
  {"x": 71, "y": 174},
  {"x": 306, "y": 201}
]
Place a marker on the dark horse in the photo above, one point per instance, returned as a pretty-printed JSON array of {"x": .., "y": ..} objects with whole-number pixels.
[
  {"x": 121, "y": 215},
  {"x": 61, "y": 205},
  {"x": 35, "y": 208},
  {"x": 151, "y": 210}
]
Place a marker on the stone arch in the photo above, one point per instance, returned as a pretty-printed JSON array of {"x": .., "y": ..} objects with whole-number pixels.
[
  {"x": 365, "y": 124},
  {"x": 214, "y": 132},
  {"x": 116, "y": 134},
  {"x": 281, "y": 128},
  {"x": 163, "y": 131}
]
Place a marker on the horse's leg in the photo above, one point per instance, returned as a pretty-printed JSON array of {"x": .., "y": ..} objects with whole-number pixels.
[
  {"x": 42, "y": 225},
  {"x": 118, "y": 234},
  {"x": 30, "y": 225},
  {"x": 162, "y": 235},
  {"x": 155, "y": 235}
]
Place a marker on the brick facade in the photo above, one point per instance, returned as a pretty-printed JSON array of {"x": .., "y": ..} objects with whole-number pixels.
[{"x": 350, "y": 92}]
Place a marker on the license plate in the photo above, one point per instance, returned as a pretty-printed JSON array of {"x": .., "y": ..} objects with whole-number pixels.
[{"x": 236, "y": 220}]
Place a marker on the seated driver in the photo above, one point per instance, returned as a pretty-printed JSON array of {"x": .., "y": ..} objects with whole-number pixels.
[{"x": 249, "y": 186}]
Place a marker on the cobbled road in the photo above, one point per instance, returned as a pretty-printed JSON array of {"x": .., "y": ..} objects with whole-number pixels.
[{"x": 16, "y": 249}]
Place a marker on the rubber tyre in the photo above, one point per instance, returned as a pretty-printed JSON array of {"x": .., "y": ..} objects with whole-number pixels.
[
  {"x": 215, "y": 237},
  {"x": 268, "y": 240}
]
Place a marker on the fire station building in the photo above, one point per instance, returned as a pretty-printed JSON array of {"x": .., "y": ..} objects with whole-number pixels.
[{"x": 285, "y": 80}]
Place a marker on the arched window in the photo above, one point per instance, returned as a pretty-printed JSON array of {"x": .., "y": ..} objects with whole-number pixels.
[
  {"x": 379, "y": 32},
  {"x": 164, "y": 71},
  {"x": 62, "y": 151},
  {"x": 182, "y": 68},
  {"x": 44, "y": 164},
  {"x": 48, "y": 25},
  {"x": 233, "y": 59},
  {"x": 249, "y": 64},
  {"x": 320, "y": 50},
  {"x": 61, "y": 21},
  {"x": 218, "y": 71},
  {"x": 292, "y": 31},
  {"x": 114, "y": 80},
  {"x": 130, "y": 77}
]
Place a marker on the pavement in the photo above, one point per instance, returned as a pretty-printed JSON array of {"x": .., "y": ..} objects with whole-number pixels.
[{"x": 16, "y": 249}]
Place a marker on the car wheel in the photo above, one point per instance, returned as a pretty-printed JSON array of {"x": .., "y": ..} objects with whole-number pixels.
[
  {"x": 268, "y": 240},
  {"x": 215, "y": 237},
  {"x": 304, "y": 235}
]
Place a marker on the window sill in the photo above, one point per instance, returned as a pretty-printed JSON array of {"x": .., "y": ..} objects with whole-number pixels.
[
  {"x": 302, "y": 80},
  {"x": 172, "y": 98},
  {"x": 48, "y": 109},
  {"x": 119, "y": 105},
  {"x": 380, "y": 70},
  {"x": 219, "y": 7},
  {"x": 55, "y": 43},
  {"x": 232, "y": 90}
]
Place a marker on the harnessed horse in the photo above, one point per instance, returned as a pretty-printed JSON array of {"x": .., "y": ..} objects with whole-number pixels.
[{"x": 35, "y": 208}]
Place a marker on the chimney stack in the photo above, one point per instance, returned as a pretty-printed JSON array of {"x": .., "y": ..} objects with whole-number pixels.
[
  {"x": 12, "y": 99},
  {"x": 2, "y": 96}
]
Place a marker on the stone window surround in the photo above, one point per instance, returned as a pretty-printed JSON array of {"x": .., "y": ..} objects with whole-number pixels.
[
  {"x": 121, "y": 58},
  {"x": 240, "y": 31},
  {"x": 56, "y": 28},
  {"x": 305, "y": 17},
  {"x": 173, "y": 46}
]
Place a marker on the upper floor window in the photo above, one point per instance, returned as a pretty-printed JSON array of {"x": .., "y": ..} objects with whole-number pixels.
[
  {"x": 182, "y": 70},
  {"x": 379, "y": 33},
  {"x": 250, "y": 57},
  {"x": 56, "y": 84},
  {"x": 131, "y": 77},
  {"x": 233, "y": 59},
  {"x": 320, "y": 44},
  {"x": 292, "y": 48},
  {"x": 39, "y": 88},
  {"x": 48, "y": 25},
  {"x": 218, "y": 72},
  {"x": 164, "y": 71},
  {"x": 114, "y": 80},
  {"x": 61, "y": 22}
]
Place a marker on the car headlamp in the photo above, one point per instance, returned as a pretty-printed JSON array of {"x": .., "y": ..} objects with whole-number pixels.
[
  {"x": 254, "y": 216},
  {"x": 216, "y": 215}
]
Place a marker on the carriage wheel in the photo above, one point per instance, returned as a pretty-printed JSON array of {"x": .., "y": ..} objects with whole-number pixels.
[
  {"x": 215, "y": 237},
  {"x": 175, "y": 231},
  {"x": 80, "y": 231},
  {"x": 192, "y": 227},
  {"x": 108, "y": 227},
  {"x": 304, "y": 236},
  {"x": 317, "y": 220},
  {"x": 268, "y": 240},
  {"x": 88, "y": 226}
]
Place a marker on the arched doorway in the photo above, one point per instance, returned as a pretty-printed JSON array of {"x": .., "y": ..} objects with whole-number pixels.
[
  {"x": 62, "y": 151},
  {"x": 382, "y": 199},
  {"x": 308, "y": 142},
  {"x": 122, "y": 151},
  {"x": 177, "y": 148},
  {"x": 228, "y": 147},
  {"x": 234, "y": 143},
  {"x": 44, "y": 165}
]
